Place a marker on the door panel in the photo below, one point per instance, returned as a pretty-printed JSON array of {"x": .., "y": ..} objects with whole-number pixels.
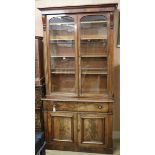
[
  {"x": 62, "y": 127},
  {"x": 93, "y": 130},
  {"x": 93, "y": 54}
]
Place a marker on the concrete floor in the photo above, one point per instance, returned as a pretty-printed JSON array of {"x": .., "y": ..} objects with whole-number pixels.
[{"x": 55, "y": 152}]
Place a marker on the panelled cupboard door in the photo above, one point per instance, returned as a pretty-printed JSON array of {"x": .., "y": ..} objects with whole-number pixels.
[
  {"x": 94, "y": 132},
  {"x": 62, "y": 54},
  {"x": 62, "y": 128}
]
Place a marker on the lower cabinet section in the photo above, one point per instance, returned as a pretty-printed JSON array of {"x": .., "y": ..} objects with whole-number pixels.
[{"x": 78, "y": 131}]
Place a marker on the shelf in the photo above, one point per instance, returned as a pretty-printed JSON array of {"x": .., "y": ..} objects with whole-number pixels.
[
  {"x": 63, "y": 69},
  {"x": 94, "y": 72},
  {"x": 103, "y": 69},
  {"x": 91, "y": 56},
  {"x": 102, "y": 93},
  {"x": 62, "y": 56},
  {"x": 63, "y": 72},
  {"x": 97, "y": 42},
  {"x": 93, "y": 22},
  {"x": 61, "y": 39},
  {"x": 69, "y": 23},
  {"x": 93, "y": 37},
  {"x": 72, "y": 23}
]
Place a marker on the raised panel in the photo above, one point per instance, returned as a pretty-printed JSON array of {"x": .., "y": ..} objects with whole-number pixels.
[
  {"x": 94, "y": 132},
  {"x": 61, "y": 127}
]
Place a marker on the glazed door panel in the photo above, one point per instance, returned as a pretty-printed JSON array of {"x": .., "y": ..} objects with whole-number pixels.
[
  {"x": 62, "y": 50},
  {"x": 62, "y": 127},
  {"x": 93, "y": 54},
  {"x": 93, "y": 130}
]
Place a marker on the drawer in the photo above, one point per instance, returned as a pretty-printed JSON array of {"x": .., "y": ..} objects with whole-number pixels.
[
  {"x": 96, "y": 107},
  {"x": 60, "y": 106}
]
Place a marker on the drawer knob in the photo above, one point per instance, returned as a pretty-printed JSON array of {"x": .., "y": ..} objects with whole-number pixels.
[{"x": 100, "y": 107}]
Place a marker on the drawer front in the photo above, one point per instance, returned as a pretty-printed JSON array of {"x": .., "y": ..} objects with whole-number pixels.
[
  {"x": 60, "y": 106},
  {"x": 93, "y": 107}
]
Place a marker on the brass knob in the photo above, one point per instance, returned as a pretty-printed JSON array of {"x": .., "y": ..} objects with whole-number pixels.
[{"x": 100, "y": 107}]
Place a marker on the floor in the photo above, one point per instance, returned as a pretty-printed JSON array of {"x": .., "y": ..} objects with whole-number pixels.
[{"x": 55, "y": 152}]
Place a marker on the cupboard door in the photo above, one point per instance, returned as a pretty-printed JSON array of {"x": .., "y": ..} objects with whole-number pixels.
[
  {"x": 93, "y": 54},
  {"x": 94, "y": 132},
  {"x": 62, "y": 54},
  {"x": 62, "y": 129}
]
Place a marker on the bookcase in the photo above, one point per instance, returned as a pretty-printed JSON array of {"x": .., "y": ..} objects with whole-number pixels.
[{"x": 78, "y": 54}]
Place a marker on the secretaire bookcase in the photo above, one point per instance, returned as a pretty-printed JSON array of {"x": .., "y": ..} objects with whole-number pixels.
[{"x": 78, "y": 62}]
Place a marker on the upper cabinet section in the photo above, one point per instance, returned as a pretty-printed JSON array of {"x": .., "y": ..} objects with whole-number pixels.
[{"x": 78, "y": 50}]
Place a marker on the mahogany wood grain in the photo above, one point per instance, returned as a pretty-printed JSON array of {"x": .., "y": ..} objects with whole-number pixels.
[
  {"x": 93, "y": 132},
  {"x": 62, "y": 128}
]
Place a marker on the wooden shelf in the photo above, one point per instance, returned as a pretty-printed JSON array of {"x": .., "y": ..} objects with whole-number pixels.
[
  {"x": 72, "y": 23},
  {"x": 65, "y": 23},
  {"x": 93, "y": 37},
  {"x": 93, "y": 22},
  {"x": 94, "y": 72},
  {"x": 102, "y": 93},
  {"x": 61, "y": 39},
  {"x": 63, "y": 72},
  {"x": 92, "y": 56},
  {"x": 62, "y": 56},
  {"x": 64, "y": 69},
  {"x": 103, "y": 69}
]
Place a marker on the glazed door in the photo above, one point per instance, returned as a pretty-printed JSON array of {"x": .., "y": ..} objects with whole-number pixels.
[
  {"x": 93, "y": 54},
  {"x": 62, "y": 50},
  {"x": 94, "y": 131},
  {"x": 62, "y": 128}
]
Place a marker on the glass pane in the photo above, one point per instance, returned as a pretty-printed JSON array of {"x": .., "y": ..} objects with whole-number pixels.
[
  {"x": 93, "y": 53},
  {"x": 62, "y": 53}
]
